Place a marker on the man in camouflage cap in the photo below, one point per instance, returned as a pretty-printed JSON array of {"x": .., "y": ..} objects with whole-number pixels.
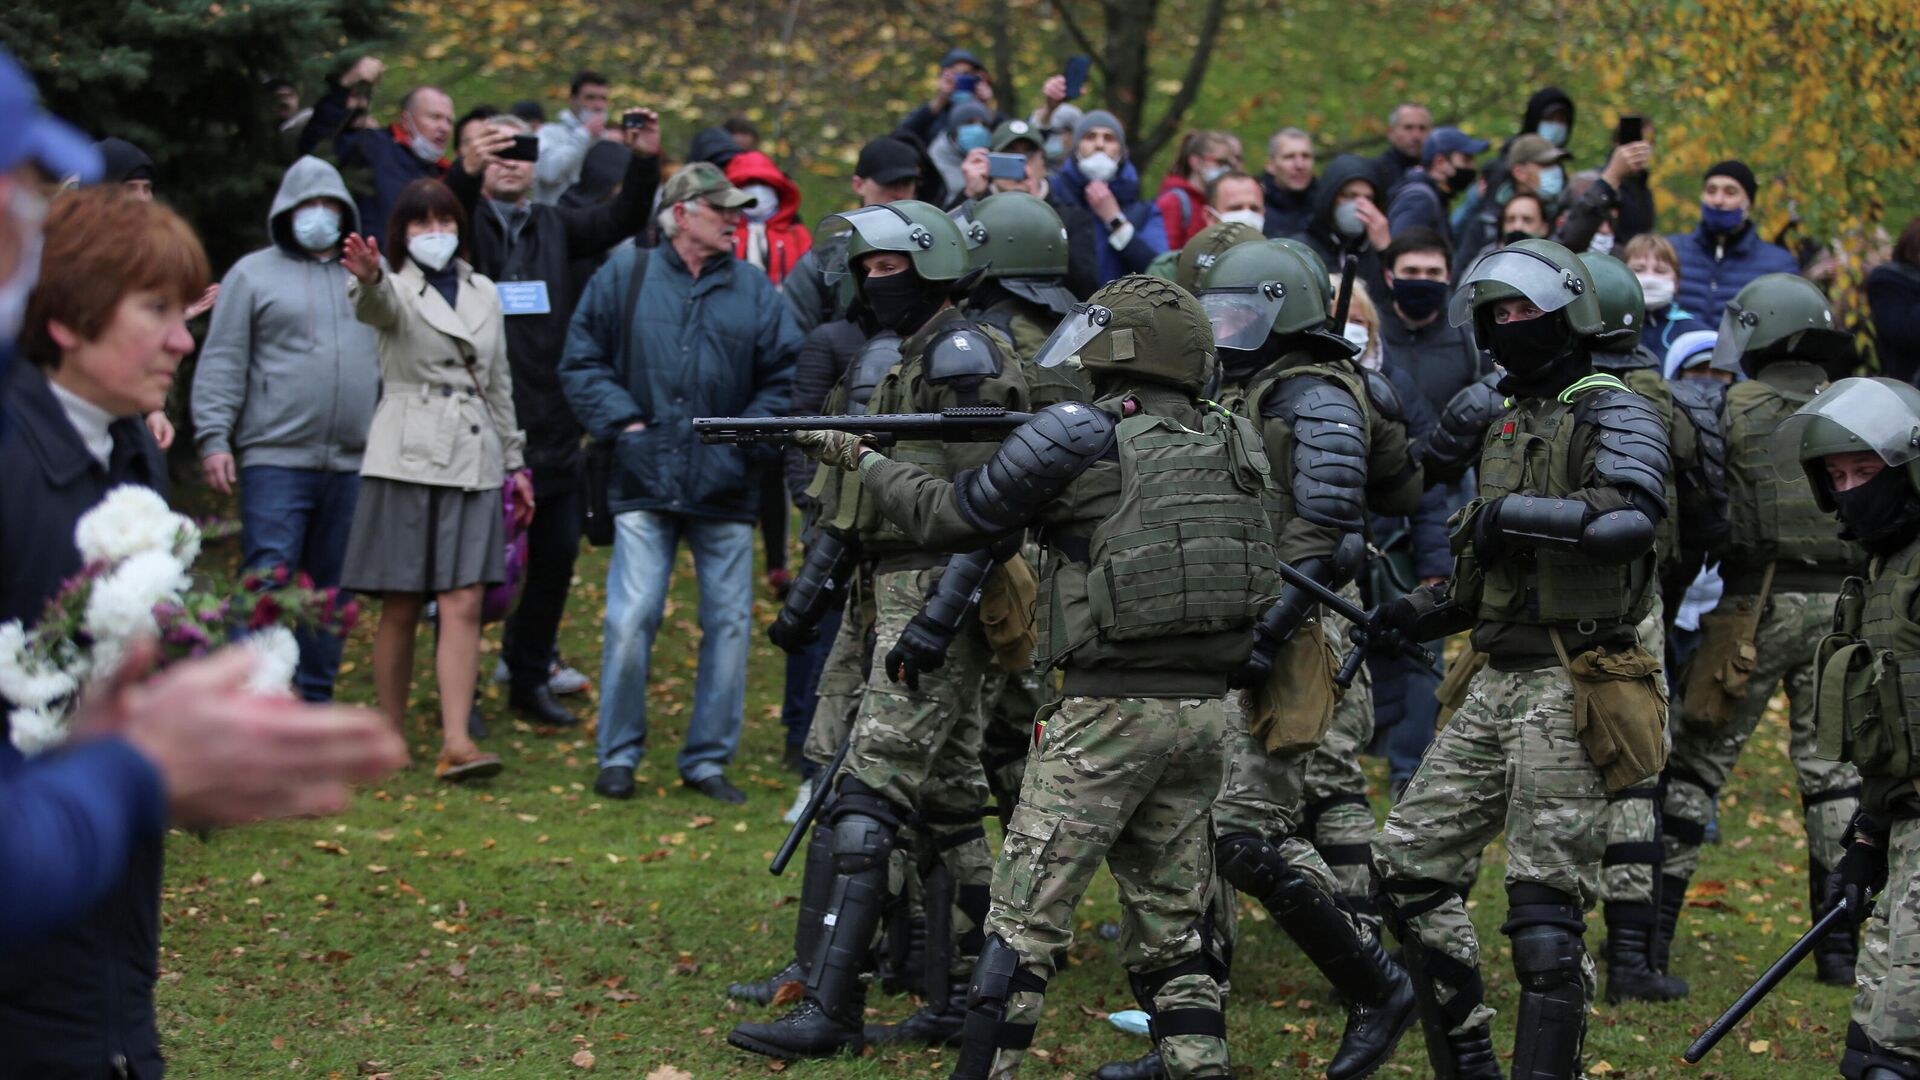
[{"x": 1146, "y": 629}]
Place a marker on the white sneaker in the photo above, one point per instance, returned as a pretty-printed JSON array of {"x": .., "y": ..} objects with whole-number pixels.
[
  {"x": 800, "y": 799},
  {"x": 565, "y": 680}
]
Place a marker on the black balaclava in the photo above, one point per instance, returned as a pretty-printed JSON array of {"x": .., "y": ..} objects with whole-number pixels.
[
  {"x": 1541, "y": 356},
  {"x": 1883, "y": 514},
  {"x": 902, "y": 302}
]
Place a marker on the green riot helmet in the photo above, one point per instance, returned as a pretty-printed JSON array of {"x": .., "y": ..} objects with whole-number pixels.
[
  {"x": 1207, "y": 246},
  {"x": 1775, "y": 317},
  {"x": 1021, "y": 244},
  {"x": 1139, "y": 328},
  {"x": 1853, "y": 415},
  {"x": 1305, "y": 251},
  {"x": 934, "y": 245},
  {"x": 1546, "y": 275},
  {"x": 1623, "y": 307},
  {"x": 1265, "y": 291}
]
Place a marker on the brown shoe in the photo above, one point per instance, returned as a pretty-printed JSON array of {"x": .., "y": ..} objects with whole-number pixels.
[{"x": 478, "y": 767}]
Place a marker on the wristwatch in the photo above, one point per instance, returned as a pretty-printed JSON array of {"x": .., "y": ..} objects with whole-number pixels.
[{"x": 1119, "y": 221}]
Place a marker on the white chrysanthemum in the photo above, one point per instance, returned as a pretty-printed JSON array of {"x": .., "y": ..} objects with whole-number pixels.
[
  {"x": 121, "y": 604},
  {"x": 26, "y": 679},
  {"x": 275, "y": 656},
  {"x": 35, "y": 730},
  {"x": 186, "y": 542},
  {"x": 130, "y": 520}
]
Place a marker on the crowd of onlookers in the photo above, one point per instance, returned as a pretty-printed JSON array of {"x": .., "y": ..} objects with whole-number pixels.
[{"x": 470, "y": 336}]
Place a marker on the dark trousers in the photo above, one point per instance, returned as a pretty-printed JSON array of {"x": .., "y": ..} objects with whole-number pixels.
[
  {"x": 553, "y": 542},
  {"x": 299, "y": 519},
  {"x": 803, "y": 682},
  {"x": 1404, "y": 703},
  {"x": 774, "y": 511}
]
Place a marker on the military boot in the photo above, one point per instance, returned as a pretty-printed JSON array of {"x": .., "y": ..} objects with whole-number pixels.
[
  {"x": 1379, "y": 996},
  {"x": 816, "y": 890},
  {"x": 1630, "y": 972},
  {"x": 938, "y": 1021},
  {"x": 1145, "y": 1067},
  {"x": 1673, "y": 899},
  {"x": 830, "y": 1019}
]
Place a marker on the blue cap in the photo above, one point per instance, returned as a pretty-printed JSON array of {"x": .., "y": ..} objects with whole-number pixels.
[
  {"x": 1448, "y": 140},
  {"x": 957, "y": 56},
  {"x": 28, "y": 134}
]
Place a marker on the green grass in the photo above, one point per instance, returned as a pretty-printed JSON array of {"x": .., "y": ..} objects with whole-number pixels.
[{"x": 502, "y": 930}]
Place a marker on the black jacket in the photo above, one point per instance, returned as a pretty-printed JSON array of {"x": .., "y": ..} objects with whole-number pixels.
[
  {"x": 828, "y": 350},
  {"x": 1389, "y": 166},
  {"x": 550, "y": 242},
  {"x": 1289, "y": 212},
  {"x": 1084, "y": 237},
  {"x": 1319, "y": 233},
  {"x": 1441, "y": 358},
  {"x": 79, "y": 1001},
  {"x": 1893, "y": 297}
]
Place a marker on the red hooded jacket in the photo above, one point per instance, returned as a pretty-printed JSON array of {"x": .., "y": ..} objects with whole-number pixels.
[
  {"x": 1183, "y": 217},
  {"x": 786, "y": 238}
]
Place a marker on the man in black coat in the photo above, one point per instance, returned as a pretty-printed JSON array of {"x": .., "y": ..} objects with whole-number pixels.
[{"x": 527, "y": 249}]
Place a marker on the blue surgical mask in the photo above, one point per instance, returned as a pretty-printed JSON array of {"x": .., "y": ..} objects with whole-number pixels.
[
  {"x": 316, "y": 228},
  {"x": 1553, "y": 180},
  {"x": 1721, "y": 221},
  {"x": 1056, "y": 148},
  {"x": 973, "y": 136},
  {"x": 1554, "y": 132}
]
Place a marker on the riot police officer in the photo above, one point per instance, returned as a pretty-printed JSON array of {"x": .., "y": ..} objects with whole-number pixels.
[
  {"x": 1783, "y": 565},
  {"x": 1858, "y": 444},
  {"x": 915, "y": 743},
  {"x": 1154, "y": 510},
  {"x": 1554, "y": 569}
]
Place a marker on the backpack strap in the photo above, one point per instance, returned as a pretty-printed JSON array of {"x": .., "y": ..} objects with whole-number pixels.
[{"x": 635, "y": 280}]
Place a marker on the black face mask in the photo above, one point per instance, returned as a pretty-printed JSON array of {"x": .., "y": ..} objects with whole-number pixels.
[
  {"x": 1883, "y": 514},
  {"x": 901, "y": 302},
  {"x": 1514, "y": 236},
  {"x": 1539, "y": 355},
  {"x": 1419, "y": 297},
  {"x": 1462, "y": 179}
]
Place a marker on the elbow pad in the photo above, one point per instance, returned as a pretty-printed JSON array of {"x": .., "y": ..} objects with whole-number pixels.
[
  {"x": 924, "y": 642},
  {"x": 1631, "y": 449},
  {"x": 1033, "y": 466},
  {"x": 1526, "y": 522},
  {"x": 820, "y": 587}
]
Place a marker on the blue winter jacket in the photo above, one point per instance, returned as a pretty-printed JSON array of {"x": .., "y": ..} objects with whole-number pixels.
[
  {"x": 1149, "y": 232},
  {"x": 1713, "y": 270},
  {"x": 722, "y": 344}
]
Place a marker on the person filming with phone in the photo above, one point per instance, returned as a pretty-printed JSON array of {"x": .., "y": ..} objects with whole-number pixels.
[
  {"x": 963, "y": 78},
  {"x": 526, "y": 247}
]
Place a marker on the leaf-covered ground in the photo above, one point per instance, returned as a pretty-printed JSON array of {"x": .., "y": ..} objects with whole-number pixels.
[{"x": 529, "y": 928}]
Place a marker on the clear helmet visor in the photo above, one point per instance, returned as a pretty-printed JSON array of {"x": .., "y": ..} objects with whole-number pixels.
[
  {"x": 1081, "y": 326},
  {"x": 1861, "y": 415},
  {"x": 1242, "y": 317},
  {"x": 880, "y": 228},
  {"x": 1737, "y": 328},
  {"x": 1532, "y": 275}
]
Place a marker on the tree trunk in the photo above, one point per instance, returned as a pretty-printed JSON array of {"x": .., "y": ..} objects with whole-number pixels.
[{"x": 1125, "y": 54}]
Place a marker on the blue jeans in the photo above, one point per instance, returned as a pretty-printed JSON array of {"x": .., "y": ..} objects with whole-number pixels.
[
  {"x": 644, "y": 547},
  {"x": 299, "y": 519}
]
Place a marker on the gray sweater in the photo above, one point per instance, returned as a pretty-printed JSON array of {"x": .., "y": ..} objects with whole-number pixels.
[{"x": 287, "y": 375}]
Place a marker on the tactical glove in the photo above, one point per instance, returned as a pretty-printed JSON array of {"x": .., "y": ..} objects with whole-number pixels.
[
  {"x": 922, "y": 647},
  {"x": 838, "y": 448},
  {"x": 790, "y": 634},
  {"x": 1862, "y": 870}
]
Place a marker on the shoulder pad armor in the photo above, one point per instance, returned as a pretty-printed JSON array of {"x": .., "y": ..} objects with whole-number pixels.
[
  {"x": 1462, "y": 430},
  {"x": 1704, "y": 483},
  {"x": 1034, "y": 465},
  {"x": 1632, "y": 448},
  {"x": 1329, "y": 466},
  {"x": 962, "y": 353},
  {"x": 1385, "y": 399},
  {"x": 877, "y": 357}
]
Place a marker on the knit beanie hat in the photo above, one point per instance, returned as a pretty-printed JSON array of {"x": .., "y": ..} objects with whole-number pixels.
[
  {"x": 1100, "y": 118},
  {"x": 1736, "y": 170}
]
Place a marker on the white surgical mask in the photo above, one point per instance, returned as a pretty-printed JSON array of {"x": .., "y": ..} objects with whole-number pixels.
[
  {"x": 433, "y": 250},
  {"x": 1602, "y": 243},
  {"x": 1657, "y": 288},
  {"x": 1361, "y": 338},
  {"x": 766, "y": 202},
  {"x": 423, "y": 149},
  {"x": 1211, "y": 173},
  {"x": 316, "y": 228},
  {"x": 1253, "y": 218},
  {"x": 1099, "y": 165}
]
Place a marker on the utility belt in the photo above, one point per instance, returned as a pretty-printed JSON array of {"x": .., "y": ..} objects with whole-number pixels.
[
  {"x": 907, "y": 561},
  {"x": 1113, "y": 682},
  {"x": 1786, "y": 579}
]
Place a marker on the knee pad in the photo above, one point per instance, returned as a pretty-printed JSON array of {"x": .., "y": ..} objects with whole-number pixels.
[
  {"x": 1247, "y": 862},
  {"x": 862, "y": 839},
  {"x": 1547, "y": 958},
  {"x": 1165, "y": 1023}
]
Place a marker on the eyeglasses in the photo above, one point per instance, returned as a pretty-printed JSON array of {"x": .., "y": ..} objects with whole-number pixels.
[{"x": 727, "y": 213}]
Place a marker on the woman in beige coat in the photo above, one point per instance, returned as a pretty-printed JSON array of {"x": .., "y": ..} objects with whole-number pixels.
[{"x": 428, "y": 522}]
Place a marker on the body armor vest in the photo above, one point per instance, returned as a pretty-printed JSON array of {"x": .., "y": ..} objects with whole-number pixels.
[
  {"x": 1867, "y": 681},
  {"x": 1774, "y": 518},
  {"x": 1530, "y": 451},
  {"x": 1186, "y": 553}
]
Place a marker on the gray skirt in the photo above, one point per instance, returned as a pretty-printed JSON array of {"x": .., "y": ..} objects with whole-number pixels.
[{"x": 423, "y": 539}]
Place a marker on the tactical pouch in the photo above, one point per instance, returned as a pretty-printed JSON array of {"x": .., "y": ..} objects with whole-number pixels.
[
  {"x": 1452, "y": 691},
  {"x": 1619, "y": 711},
  {"x": 1291, "y": 711},
  {"x": 1006, "y": 613},
  {"x": 1469, "y": 583},
  {"x": 1864, "y": 702},
  {"x": 1718, "y": 674}
]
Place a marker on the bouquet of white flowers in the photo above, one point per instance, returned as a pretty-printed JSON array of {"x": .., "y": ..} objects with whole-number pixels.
[{"x": 136, "y": 582}]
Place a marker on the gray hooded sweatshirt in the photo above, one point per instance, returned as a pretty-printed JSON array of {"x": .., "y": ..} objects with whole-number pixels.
[{"x": 287, "y": 375}]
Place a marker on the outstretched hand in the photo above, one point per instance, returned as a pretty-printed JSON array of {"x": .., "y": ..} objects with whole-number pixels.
[{"x": 361, "y": 256}]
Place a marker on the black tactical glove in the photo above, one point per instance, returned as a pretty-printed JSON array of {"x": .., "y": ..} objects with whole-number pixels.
[
  {"x": 1862, "y": 870},
  {"x": 791, "y": 635},
  {"x": 1489, "y": 543},
  {"x": 922, "y": 647}
]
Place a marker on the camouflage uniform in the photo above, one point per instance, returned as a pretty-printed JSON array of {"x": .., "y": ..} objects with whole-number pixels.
[{"x": 1887, "y": 1006}]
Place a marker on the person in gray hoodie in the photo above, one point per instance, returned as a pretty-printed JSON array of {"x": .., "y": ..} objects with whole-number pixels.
[{"x": 286, "y": 383}]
